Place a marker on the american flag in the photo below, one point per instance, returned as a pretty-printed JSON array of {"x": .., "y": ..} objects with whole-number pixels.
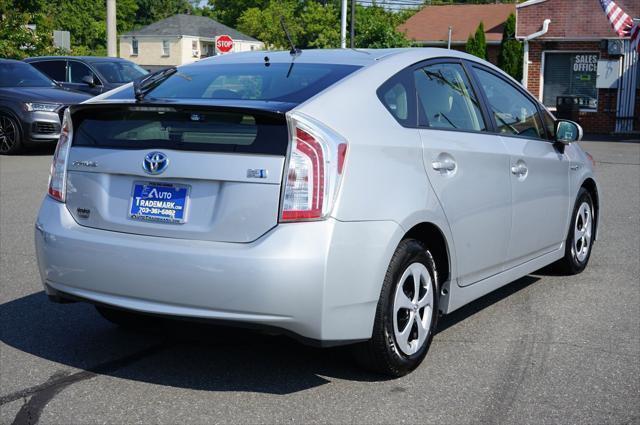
[{"x": 622, "y": 23}]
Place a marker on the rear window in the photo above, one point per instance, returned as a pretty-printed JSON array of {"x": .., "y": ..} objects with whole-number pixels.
[
  {"x": 180, "y": 128},
  {"x": 283, "y": 82}
]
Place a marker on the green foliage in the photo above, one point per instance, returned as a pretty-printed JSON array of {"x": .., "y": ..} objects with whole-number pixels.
[
  {"x": 264, "y": 23},
  {"x": 376, "y": 28},
  {"x": 477, "y": 44},
  {"x": 17, "y": 41},
  {"x": 317, "y": 25},
  {"x": 311, "y": 23},
  {"x": 150, "y": 11},
  {"x": 229, "y": 11},
  {"x": 510, "y": 56}
]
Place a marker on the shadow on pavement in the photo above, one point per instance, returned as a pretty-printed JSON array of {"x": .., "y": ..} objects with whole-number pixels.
[
  {"x": 481, "y": 303},
  {"x": 185, "y": 354}
]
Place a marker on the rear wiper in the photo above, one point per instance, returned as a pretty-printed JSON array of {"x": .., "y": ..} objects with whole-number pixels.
[{"x": 144, "y": 85}]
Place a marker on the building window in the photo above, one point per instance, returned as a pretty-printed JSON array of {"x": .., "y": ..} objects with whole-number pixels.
[
  {"x": 165, "y": 47},
  {"x": 571, "y": 74},
  {"x": 134, "y": 47},
  {"x": 194, "y": 48}
]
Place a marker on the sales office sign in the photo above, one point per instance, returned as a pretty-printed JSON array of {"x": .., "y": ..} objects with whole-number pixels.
[{"x": 585, "y": 63}]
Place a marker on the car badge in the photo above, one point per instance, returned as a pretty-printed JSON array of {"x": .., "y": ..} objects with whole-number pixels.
[{"x": 155, "y": 163}]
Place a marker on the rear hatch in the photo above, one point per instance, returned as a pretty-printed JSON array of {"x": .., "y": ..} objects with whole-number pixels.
[{"x": 193, "y": 172}]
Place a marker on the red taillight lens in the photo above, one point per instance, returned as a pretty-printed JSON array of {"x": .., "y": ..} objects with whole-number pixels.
[
  {"x": 58, "y": 174},
  {"x": 304, "y": 191},
  {"x": 316, "y": 163}
]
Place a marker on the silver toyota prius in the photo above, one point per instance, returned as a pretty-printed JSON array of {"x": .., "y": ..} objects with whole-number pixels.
[{"x": 339, "y": 196}]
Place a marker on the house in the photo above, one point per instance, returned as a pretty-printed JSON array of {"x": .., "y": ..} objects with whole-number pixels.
[
  {"x": 577, "y": 53},
  {"x": 180, "y": 39},
  {"x": 430, "y": 26}
]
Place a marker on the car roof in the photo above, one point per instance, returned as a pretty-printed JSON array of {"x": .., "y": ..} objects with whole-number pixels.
[
  {"x": 9, "y": 61},
  {"x": 359, "y": 57},
  {"x": 91, "y": 59}
]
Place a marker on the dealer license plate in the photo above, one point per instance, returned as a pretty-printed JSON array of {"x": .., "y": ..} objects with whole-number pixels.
[{"x": 163, "y": 202}]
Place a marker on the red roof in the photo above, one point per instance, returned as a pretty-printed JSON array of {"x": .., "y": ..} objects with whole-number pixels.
[{"x": 431, "y": 24}]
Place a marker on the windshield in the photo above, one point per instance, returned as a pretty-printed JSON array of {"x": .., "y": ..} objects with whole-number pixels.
[
  {"x": 119, "y": 72},
  {"x": 20, "y": 74},
  {"x": 283, "y": 82}
]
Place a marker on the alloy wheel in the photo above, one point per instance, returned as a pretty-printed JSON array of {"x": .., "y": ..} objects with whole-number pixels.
[
  {"x": 582, "y": 232},
  {"x": 8, "y": 134},
  {"x": 413, "y": 308}
]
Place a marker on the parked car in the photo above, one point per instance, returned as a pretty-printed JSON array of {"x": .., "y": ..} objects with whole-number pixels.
[
  {"x": 89, "y": 74},
  {"x": 31, "y": 106},
  {"x": 342, "y": 196}
]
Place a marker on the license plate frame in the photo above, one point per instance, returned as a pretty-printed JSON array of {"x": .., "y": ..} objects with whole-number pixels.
[{"x": 159, "y": 214}]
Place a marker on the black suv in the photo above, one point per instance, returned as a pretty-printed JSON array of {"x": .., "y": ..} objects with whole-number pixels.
[
  {"x": 31, "y": 106},
  {"x": 93, "y": 75}
]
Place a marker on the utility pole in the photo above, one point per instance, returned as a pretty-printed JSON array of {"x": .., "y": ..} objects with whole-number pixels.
[
  {"x": 343, "y": 25},
  {"x": 353, "y": 24},
  {"x": 112, "y": 47}
]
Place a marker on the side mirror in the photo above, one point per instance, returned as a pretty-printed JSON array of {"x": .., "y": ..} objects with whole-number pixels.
[
  {"x": 568, "y": 132},
  {"x": 88, "y": 80}
]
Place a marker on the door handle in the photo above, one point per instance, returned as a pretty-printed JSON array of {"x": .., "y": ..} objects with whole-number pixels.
[
  {"x": 519, "y": 169},
  {"x": 445, "y": 165}
]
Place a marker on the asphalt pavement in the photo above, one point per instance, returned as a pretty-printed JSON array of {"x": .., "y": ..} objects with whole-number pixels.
[{"x": 544, "y": 349}]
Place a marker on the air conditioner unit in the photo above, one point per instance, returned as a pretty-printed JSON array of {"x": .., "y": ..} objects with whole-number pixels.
[{"x": 614, "y": 47}]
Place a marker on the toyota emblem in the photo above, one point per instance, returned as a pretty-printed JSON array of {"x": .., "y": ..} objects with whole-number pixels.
[{"x": 155, "y": 163}]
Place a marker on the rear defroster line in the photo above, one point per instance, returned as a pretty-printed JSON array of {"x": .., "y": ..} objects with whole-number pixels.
[{"x": 43, "y": 393}]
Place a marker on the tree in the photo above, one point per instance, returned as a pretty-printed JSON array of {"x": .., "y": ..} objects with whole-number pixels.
[
  {"x": 477, "y": 44},
  {"x": 376, "y": 28},
  {"x": 510, "y": 56},
  {"x": 264, "y": 24},
  {"x": 150, "y": 11},
  {"x": 18, "y": 40},
  {"x": 314, "y": 24},
  {"x": 229, "y": 11}
]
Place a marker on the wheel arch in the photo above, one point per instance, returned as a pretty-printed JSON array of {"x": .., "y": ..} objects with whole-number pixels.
[
  {"x": 434, "y": 238},
  {"x": 7, "y": 110}
]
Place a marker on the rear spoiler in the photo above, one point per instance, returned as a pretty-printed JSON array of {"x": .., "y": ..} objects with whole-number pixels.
[{"x": 258, "y": 107}]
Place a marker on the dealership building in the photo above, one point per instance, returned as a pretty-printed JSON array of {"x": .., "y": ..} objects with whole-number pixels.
[{"x": 572, "y": 54}]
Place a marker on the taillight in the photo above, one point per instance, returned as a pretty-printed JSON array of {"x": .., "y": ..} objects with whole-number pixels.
[
  {"x": 316, "y": 163},
  {"x": 58, "y": 174}
]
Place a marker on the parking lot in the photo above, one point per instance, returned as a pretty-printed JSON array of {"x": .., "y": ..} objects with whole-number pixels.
[{"x": 545, "y": 349}]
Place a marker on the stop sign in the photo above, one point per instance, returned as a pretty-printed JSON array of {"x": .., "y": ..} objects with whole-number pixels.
[{"x": 224, "y": 43}]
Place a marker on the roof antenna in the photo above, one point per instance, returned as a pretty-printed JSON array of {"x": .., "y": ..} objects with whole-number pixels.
[{"x": 294, "y": 50}]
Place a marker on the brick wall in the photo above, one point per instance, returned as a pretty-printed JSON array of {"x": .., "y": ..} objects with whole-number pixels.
[
  {"x": 570, "y": 18},
  {"x": 602, "y": 121}
]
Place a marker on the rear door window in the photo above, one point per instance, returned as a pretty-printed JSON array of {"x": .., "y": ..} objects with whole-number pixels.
[
  {"x": 54, "y": 69},
  {"x": 283, "y": 82},
  {"x": 180, "y": 128},
  {"x": 446, "y": 99}
]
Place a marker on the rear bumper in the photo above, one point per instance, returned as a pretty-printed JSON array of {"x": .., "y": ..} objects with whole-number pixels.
[{"x": 320, "y": 280}]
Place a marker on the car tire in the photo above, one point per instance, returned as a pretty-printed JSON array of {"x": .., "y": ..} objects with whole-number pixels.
[
  {"x": 10, "y": 135},
  {"x": 125, "y": 319},
  {"x": 579, "y": 241},
  {"x": 394, "y": 349}
]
